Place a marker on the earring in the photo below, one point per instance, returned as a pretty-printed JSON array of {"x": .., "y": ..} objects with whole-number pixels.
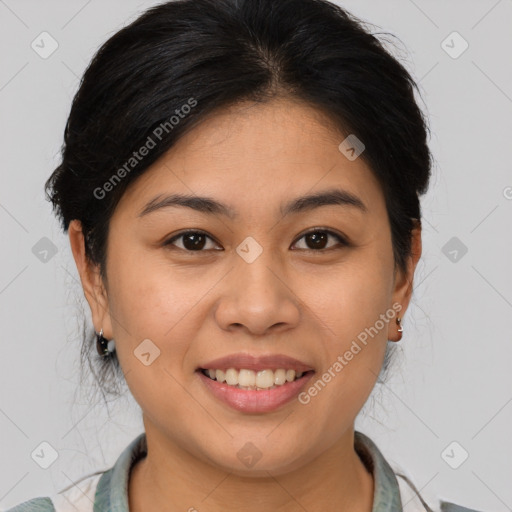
[
  {"x": 103, "y": 346},
  {"x": 400, "y": 328}
]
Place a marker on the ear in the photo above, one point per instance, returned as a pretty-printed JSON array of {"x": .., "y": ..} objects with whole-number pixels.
[
  {"x": 403, "y": 282},
  {"x": 92, "y": 283}
]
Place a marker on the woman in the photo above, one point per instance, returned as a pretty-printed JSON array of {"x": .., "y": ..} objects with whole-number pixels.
[{"x": 240, "y": 183}]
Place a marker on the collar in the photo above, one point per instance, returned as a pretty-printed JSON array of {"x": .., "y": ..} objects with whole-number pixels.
[{"x": 112, "y": 490}]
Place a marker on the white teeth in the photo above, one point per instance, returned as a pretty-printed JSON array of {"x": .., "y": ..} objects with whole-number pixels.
[
  {"x": 249, "y": 379},
  {"x": 231, "y": 377},
  {"x": 290, "y": 375},
  {"x": 246, "y": 378},
  {"x": 279, "y": 377},
  {"x": 265, "y": 379}
]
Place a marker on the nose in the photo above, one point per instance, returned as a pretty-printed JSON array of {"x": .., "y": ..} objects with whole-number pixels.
[{"x": 258, "y": 298}]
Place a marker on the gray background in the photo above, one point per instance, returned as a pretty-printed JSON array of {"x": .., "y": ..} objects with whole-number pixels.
[{"x": 452, "y": 379}]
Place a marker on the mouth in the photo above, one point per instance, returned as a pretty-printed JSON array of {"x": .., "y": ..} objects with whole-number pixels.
[
  {"x": 254, "y": 380},
  {"x": 253, "y": 391}
]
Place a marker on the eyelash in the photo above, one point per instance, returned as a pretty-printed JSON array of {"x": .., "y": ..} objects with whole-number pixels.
[{"x": 338, "y": 237}]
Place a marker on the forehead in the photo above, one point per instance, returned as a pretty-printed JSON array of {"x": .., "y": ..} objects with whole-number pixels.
[{"x": 253, "y": 157}]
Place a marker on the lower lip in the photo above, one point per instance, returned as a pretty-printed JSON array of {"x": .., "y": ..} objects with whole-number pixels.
[{"x": 246, "y": 400}]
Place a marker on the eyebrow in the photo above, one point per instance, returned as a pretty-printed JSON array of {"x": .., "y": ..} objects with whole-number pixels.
[{"x": 211, "y": 206}]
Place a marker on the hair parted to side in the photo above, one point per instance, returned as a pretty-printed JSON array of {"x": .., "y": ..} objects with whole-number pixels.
[{"x": 217, "y": 53}]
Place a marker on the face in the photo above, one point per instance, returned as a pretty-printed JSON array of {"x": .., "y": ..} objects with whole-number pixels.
[{"x": 265, "y": 280}]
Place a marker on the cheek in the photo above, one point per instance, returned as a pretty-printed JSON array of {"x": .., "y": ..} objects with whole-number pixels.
[
  {"x": 354, "y": 307},
  {"x": 153, "y": 301},
  {"x": 151, "y": 295},
  {"x": 353, "y": 295},
  {"x": 153, "y": 322}
]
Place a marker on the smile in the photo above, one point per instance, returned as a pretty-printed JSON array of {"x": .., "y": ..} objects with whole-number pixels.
[{"x": 251, "y": 391}]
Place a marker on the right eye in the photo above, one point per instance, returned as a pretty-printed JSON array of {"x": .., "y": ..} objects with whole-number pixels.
[{"x": 193, "y": 241}]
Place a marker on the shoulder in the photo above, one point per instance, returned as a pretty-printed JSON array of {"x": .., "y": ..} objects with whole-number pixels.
[
  {"x": 78, "y": 497},
  {"x": 452, "y": 507},
  {"x": 393, "y": 485},
  {"x": 414, "y": 501},
  {"x": 34, "y": 505}
]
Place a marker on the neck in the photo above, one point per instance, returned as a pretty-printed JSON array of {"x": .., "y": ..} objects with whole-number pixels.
[{"x": 172, "y": 479}]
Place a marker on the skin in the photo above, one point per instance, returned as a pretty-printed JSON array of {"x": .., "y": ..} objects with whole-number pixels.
[{"x": 197, "y": 306}]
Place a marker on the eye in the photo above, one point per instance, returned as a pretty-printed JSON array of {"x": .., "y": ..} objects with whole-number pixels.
[
  {"x": 193, "y": 241},
  {"x": 196, "y": 241},
  {"x": 318, "y": 237}
]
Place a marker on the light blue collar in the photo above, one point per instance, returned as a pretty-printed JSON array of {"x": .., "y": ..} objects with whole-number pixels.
[{"x": 112, "y": 489}]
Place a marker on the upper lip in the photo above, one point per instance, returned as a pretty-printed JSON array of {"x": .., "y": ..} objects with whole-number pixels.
[{"x": 256, "y": 363}]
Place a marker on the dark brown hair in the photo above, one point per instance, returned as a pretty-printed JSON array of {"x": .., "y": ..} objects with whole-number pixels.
[{"x": 209, "y": 54}]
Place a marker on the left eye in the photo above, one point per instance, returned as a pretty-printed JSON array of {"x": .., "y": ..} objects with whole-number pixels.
[
  {"x": 195, "y": 241},
  {"x": 319, "y": 237}
]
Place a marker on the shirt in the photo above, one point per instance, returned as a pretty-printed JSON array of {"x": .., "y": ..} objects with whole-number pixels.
[{"x": 107, "y": 491}]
